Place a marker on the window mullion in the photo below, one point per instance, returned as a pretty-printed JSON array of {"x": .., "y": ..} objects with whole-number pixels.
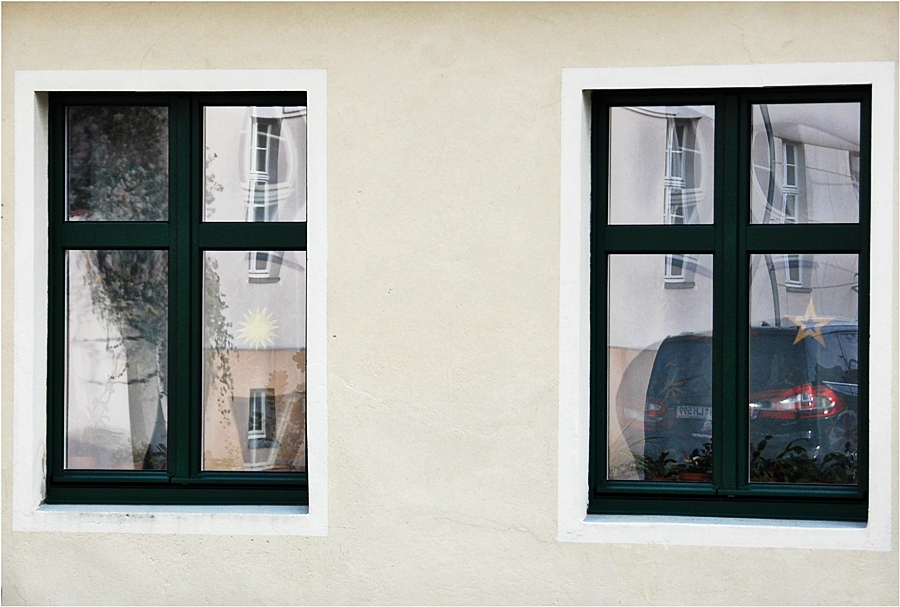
[
  {"x": 727, "y": 302},
  {"x": 741, "y": 323},
  {"x": 181, "y": 400}
]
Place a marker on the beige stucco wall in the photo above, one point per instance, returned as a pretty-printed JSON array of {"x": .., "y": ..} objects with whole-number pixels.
[{"x": 444, "y": 187}]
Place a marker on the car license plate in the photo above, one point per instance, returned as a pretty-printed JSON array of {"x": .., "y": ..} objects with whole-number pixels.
[{"x": 688, "y": 412}]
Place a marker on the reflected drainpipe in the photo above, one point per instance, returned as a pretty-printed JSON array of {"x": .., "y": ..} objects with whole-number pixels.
[{"x": 770, "y": 194}]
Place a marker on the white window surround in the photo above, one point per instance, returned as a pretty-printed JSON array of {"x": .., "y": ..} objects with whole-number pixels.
[
  {"x": 30, "y": 334},
  {"x": 574, "y": 525}
]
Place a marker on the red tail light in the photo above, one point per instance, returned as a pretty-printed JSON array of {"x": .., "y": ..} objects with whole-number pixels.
[
  {"x": 655, "y": 409},
  {"x": 801, "y": 402}
]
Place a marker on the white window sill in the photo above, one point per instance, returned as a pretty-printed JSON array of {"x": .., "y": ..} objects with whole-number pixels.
[
  {"x": 714, "y": 531},
  {"x": 207, "y": 520}
]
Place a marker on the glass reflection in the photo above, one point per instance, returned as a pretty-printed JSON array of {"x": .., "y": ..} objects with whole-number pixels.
[
  {"x": 661, "y": 165},
  {"x": 116, "y": 360},
  {"x": 255, "y": 163},
  {"x": 660, "y": 368},
  {"x": 805, "y": 163},
  {"x": 254, "y": 359},
  {"x": 117, "y": 163},
  {"x": 804, "y": 368}
]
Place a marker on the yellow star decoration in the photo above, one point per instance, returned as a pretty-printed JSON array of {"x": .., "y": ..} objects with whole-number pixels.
[
  {"x": 810, "y": 324},
  {"x": 258, "y": 328}
]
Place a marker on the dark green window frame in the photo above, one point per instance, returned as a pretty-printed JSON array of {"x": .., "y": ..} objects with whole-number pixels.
[
  {"x": 731, "y": 239},
  {"x": 185, "y": 236}
]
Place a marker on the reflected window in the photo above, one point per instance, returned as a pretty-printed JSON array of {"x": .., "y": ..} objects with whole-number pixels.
[
  {"x": 263, "y": 205},
  {"x": 680, "y": 202},
  {"x": 790, "y": 191},
  {"x": 802, "y": 162},
  {"x": 259, "y": 154},
  {"x": 854, "y": 172},
  {"x": 660, "y": 164},
  {"x": 265, "y": 266},
  {"x": 792, "y": 275},
  {"x": 256, "y": 163},
  {"x": 261, "y": 422}
]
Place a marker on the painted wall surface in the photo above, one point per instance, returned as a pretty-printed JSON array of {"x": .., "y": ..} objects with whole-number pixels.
[{"x": 443, "y": 293}]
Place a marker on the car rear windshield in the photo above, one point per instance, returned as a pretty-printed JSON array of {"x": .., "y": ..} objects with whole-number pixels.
[
  {"x": 682, "y": 371},
  {"x": 777, "y": 362}
]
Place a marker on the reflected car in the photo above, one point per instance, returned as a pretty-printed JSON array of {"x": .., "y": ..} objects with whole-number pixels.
[{"x": 804, "y": 390}]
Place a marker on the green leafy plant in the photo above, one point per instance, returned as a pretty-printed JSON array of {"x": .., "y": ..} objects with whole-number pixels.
[
  {"x": 657, "y": 467},
  {"x": 794, "y": 464},
  {"x": 700, "y": 461}
]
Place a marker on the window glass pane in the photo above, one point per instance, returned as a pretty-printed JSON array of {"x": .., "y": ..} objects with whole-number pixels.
[
  {"x": 255, "y": 163},
  {"x": 117, "y": 163},
  {"x": 809, "y": 151},
  {"x": 804, "y": 369},
  {"x": 116, "y": 359},
  {"x": 661, "y": 164},
  {"x": 660, "y": 368},
  {"x": 254, "y": 360}
]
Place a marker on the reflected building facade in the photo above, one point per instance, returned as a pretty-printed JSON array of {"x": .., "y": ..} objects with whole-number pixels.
[
  {"x": 253, "y": 311},
  {"x": 805, "y": 170}
]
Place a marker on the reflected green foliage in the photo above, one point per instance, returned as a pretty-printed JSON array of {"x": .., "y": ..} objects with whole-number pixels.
[
  {"x": 217, "y": 328},
  {"x": 117, "y": 163},
  {"x": 117, "y": 170},
  {"x": 212, "y": 186},
  {"x": 795, "y": 465},
  {"x": 218, "y": 340},
  {"x": 131, "y": 289}
]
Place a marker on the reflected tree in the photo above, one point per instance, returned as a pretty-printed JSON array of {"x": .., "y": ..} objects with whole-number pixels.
[{"x": 117, "y": 170}]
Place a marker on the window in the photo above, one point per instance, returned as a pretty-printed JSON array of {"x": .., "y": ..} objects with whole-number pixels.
[
  {"x": 259, "y": 157},
  {"x": 792, "y": 277},
  {"x": 156, "y": 335},
  {"x": 746, "y": 395},
  {"x": 675, "y": 193},
  {"x": 261, "y": 400},
  {"x": 265, "y": 266},
  {"x": 789, "y": 186}
]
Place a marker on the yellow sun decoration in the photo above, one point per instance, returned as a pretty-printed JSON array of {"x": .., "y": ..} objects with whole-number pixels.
[{"x": 257, "y": 330}]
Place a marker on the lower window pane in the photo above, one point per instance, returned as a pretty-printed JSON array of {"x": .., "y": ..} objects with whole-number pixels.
[
  {"x": 659, "y": 368},
  {"x": 804, "y": 368},
  {"x": 116, "y": 359},
  {"x": 254, "y": 361}
]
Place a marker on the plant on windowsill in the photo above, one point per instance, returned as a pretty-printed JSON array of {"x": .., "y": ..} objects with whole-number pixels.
[
  {"x": 698, "y": 467},
  {"x": 656, "y": 468},
  {"x": 795, "y": 465}
]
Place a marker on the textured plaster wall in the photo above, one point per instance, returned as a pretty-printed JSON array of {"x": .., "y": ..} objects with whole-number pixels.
[{"x": 443, "y": 157}]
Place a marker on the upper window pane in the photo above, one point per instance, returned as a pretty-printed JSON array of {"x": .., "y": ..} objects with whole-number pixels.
[
  {"x": 805, "y": 163},
  {"x": 117, "y": 163},
  {"x": 255, "y": 163},
  {"x": 661, "y": 165}
]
